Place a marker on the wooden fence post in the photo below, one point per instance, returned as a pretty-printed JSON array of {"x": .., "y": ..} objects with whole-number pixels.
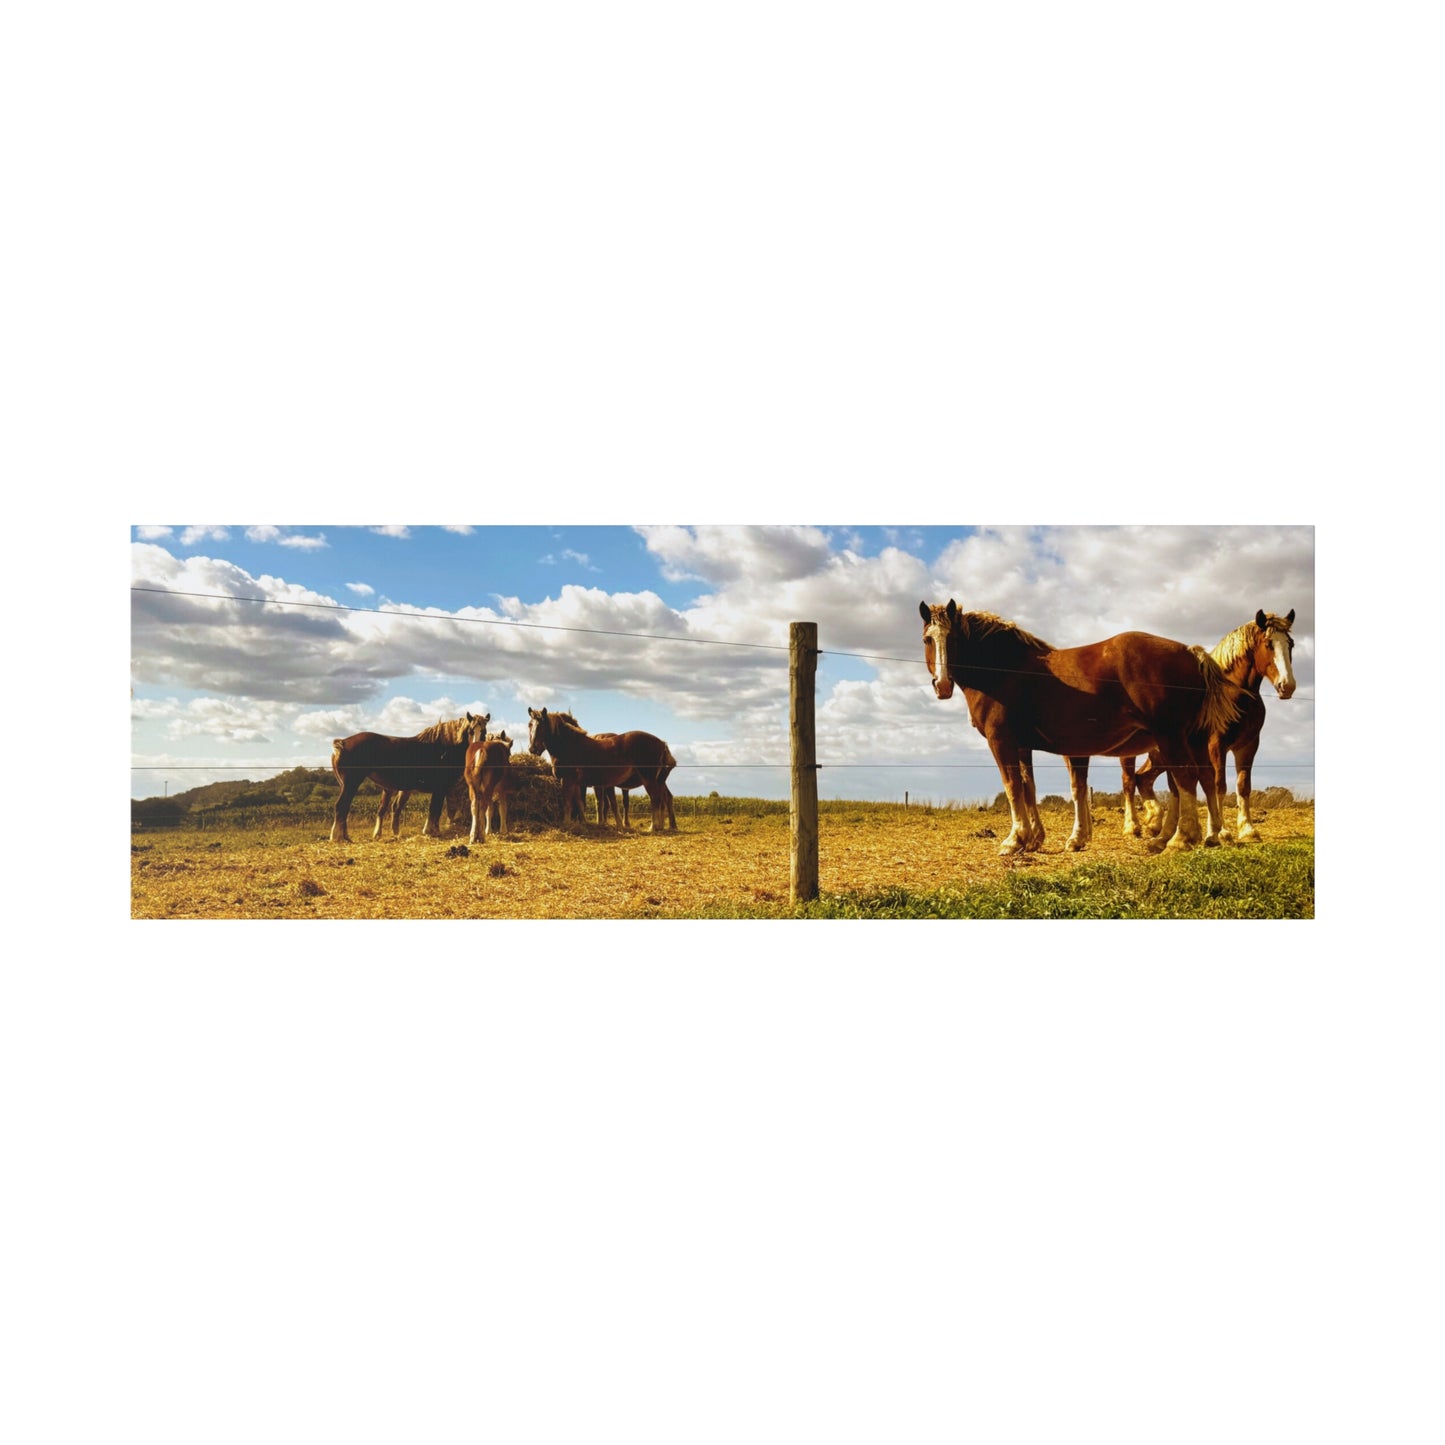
[{"x": 803, "y": 813}]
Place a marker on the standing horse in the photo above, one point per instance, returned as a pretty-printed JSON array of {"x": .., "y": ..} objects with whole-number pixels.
[
  {"x": 1254, "y": 651},
  {"x": 606, "y": 793},
  {"x": 488, "y": 774},
  {"x": 583, "y": 759},
  {"x": 430, "y": 762},
  {"x": 1114, "y": 698}
]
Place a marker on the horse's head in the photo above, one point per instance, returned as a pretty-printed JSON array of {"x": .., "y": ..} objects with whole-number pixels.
[
  {"x": 539, "y": 731},
  {"x": 498, "y": 749},
  {"x": 476, "y": 728},
  {"x": 938, "y": 623},
  {"x": 1274, "y": 650}
]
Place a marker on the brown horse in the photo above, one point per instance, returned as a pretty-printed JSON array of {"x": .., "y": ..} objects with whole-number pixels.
[
  {"x": 582, "y": 760},
  {"x": 488, "y": 774},
  {"x": 1115, "y": 698},
  {"x": 430, "y": 762},
  {"x": 1254, "y": 651},
  {"x": 606, "y": 793}
]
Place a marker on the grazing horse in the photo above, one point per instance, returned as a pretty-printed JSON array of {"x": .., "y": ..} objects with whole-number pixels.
[
  {"x": 1254, "y": 651},
  {"x": 430, "y": 762},
  {"x": 488, "y": 773},
  {"x": 1114, "y": 698},
  {"x": 582, "y": 760}
]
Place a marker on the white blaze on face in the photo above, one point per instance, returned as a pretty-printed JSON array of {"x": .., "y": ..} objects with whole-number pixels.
[
  {"x": 936, "y": 633},
  {"x": 1283, "y": 662}
]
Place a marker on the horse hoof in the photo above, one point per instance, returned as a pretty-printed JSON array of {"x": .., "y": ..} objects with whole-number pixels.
[{"x": 1074, "y": 846}]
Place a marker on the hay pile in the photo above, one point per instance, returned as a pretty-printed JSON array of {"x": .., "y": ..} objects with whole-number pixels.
[{"x": 535, "y": 797}]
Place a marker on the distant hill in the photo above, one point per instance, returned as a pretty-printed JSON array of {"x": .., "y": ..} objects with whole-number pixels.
[{"x": 299, "y": 788}]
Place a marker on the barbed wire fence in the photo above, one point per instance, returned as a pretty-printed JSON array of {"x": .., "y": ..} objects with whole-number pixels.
[{"x": 984, "y": 765}]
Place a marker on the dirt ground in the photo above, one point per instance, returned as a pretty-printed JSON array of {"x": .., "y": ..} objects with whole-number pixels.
[{"x": 711, "y": 863}]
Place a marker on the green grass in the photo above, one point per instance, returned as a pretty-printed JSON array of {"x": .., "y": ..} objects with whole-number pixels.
[{"x": 1265, "y": 881}]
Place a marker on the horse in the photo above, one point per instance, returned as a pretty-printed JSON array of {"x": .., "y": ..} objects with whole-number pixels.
[
  {"x": 603, "y": 761},
  {"x": 488, "y": 774},
  {"x": 1259, "y": 649},
  {"x": 606, "y": 793},
  {"x": 430, "y": 762},
  {"x": 1129, "y": 693}
]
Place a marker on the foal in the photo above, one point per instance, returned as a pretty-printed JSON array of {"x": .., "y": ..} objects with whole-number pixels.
[{"x": 488, "y": 773}]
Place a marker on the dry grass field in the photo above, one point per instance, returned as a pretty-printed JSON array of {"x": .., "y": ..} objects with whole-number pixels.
[{"x": 718, "y": 864}]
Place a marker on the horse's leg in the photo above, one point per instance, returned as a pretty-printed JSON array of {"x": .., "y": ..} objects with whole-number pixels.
[
  {"x": 1011, "y": 770},
  {"x": 499, "y": 806},
  {"x": 396, "y": 808},
  {"x": 1185, "y": 778},
  {"x": 479, "y": 810},
  {"x": 1083, "y": 814},
  {"x": 432, "y": 827},
  {"x": 1212, "y": 777},
  {"x": 1151, "y": 813},
  {"x": 349, "y": 786},
  {"x": 655, "y": 791},
  {"x": 671, "y": 816},
  {"x": 1031, "y": 802},
  {"x": 1243, "y": 762},
  {"x": 1165, "y": 820},
  {"x": 1131, "y": 813},
  {"x": 382, "y": 811}
]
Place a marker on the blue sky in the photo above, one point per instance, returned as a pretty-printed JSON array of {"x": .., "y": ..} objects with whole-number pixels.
[{"x": 620, "y": 624}]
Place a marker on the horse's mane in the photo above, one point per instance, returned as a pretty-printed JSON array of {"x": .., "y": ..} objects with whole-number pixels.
[
  {"x": 1219, "y": 709},
  {"x": 569, "y": 723},
  {"x": 975, "y": 626},
  {"x": 451, "y": 730},
  {"x": 1240, "y": 642}
]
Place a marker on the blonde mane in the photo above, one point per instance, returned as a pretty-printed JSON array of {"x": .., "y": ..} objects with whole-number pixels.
[
  {"x": 975, "y": 626},
  {"x": 1219, "y": 709},
  {"x": 451, "y": 730},
  {"x": 1241, "y": 642}
]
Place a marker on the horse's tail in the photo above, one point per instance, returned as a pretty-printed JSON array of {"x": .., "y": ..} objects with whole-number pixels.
[
  {"x": 1219, "y": 708},
  {"x": 336, "y": 745}
]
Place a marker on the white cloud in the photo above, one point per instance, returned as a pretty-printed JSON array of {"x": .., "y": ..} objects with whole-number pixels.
[
  {"x": 397, "y": 717},
  {"x": 228, "y": 720},
  {"x": 728, "y": 554},
  {"x": 460, "y": 531},
  {"x": 152, "y": 534},
  {"x": 1070, "y": 585},
  {"x": 362, "y": 589},
  {"x": 192, "y": 535},
  {"x": 284, "y": 538},
  {"x": 391, "y": 531}
]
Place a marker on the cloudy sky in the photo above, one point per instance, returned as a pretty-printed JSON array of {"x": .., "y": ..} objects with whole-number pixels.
[{"x": 677, "y": 630}]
